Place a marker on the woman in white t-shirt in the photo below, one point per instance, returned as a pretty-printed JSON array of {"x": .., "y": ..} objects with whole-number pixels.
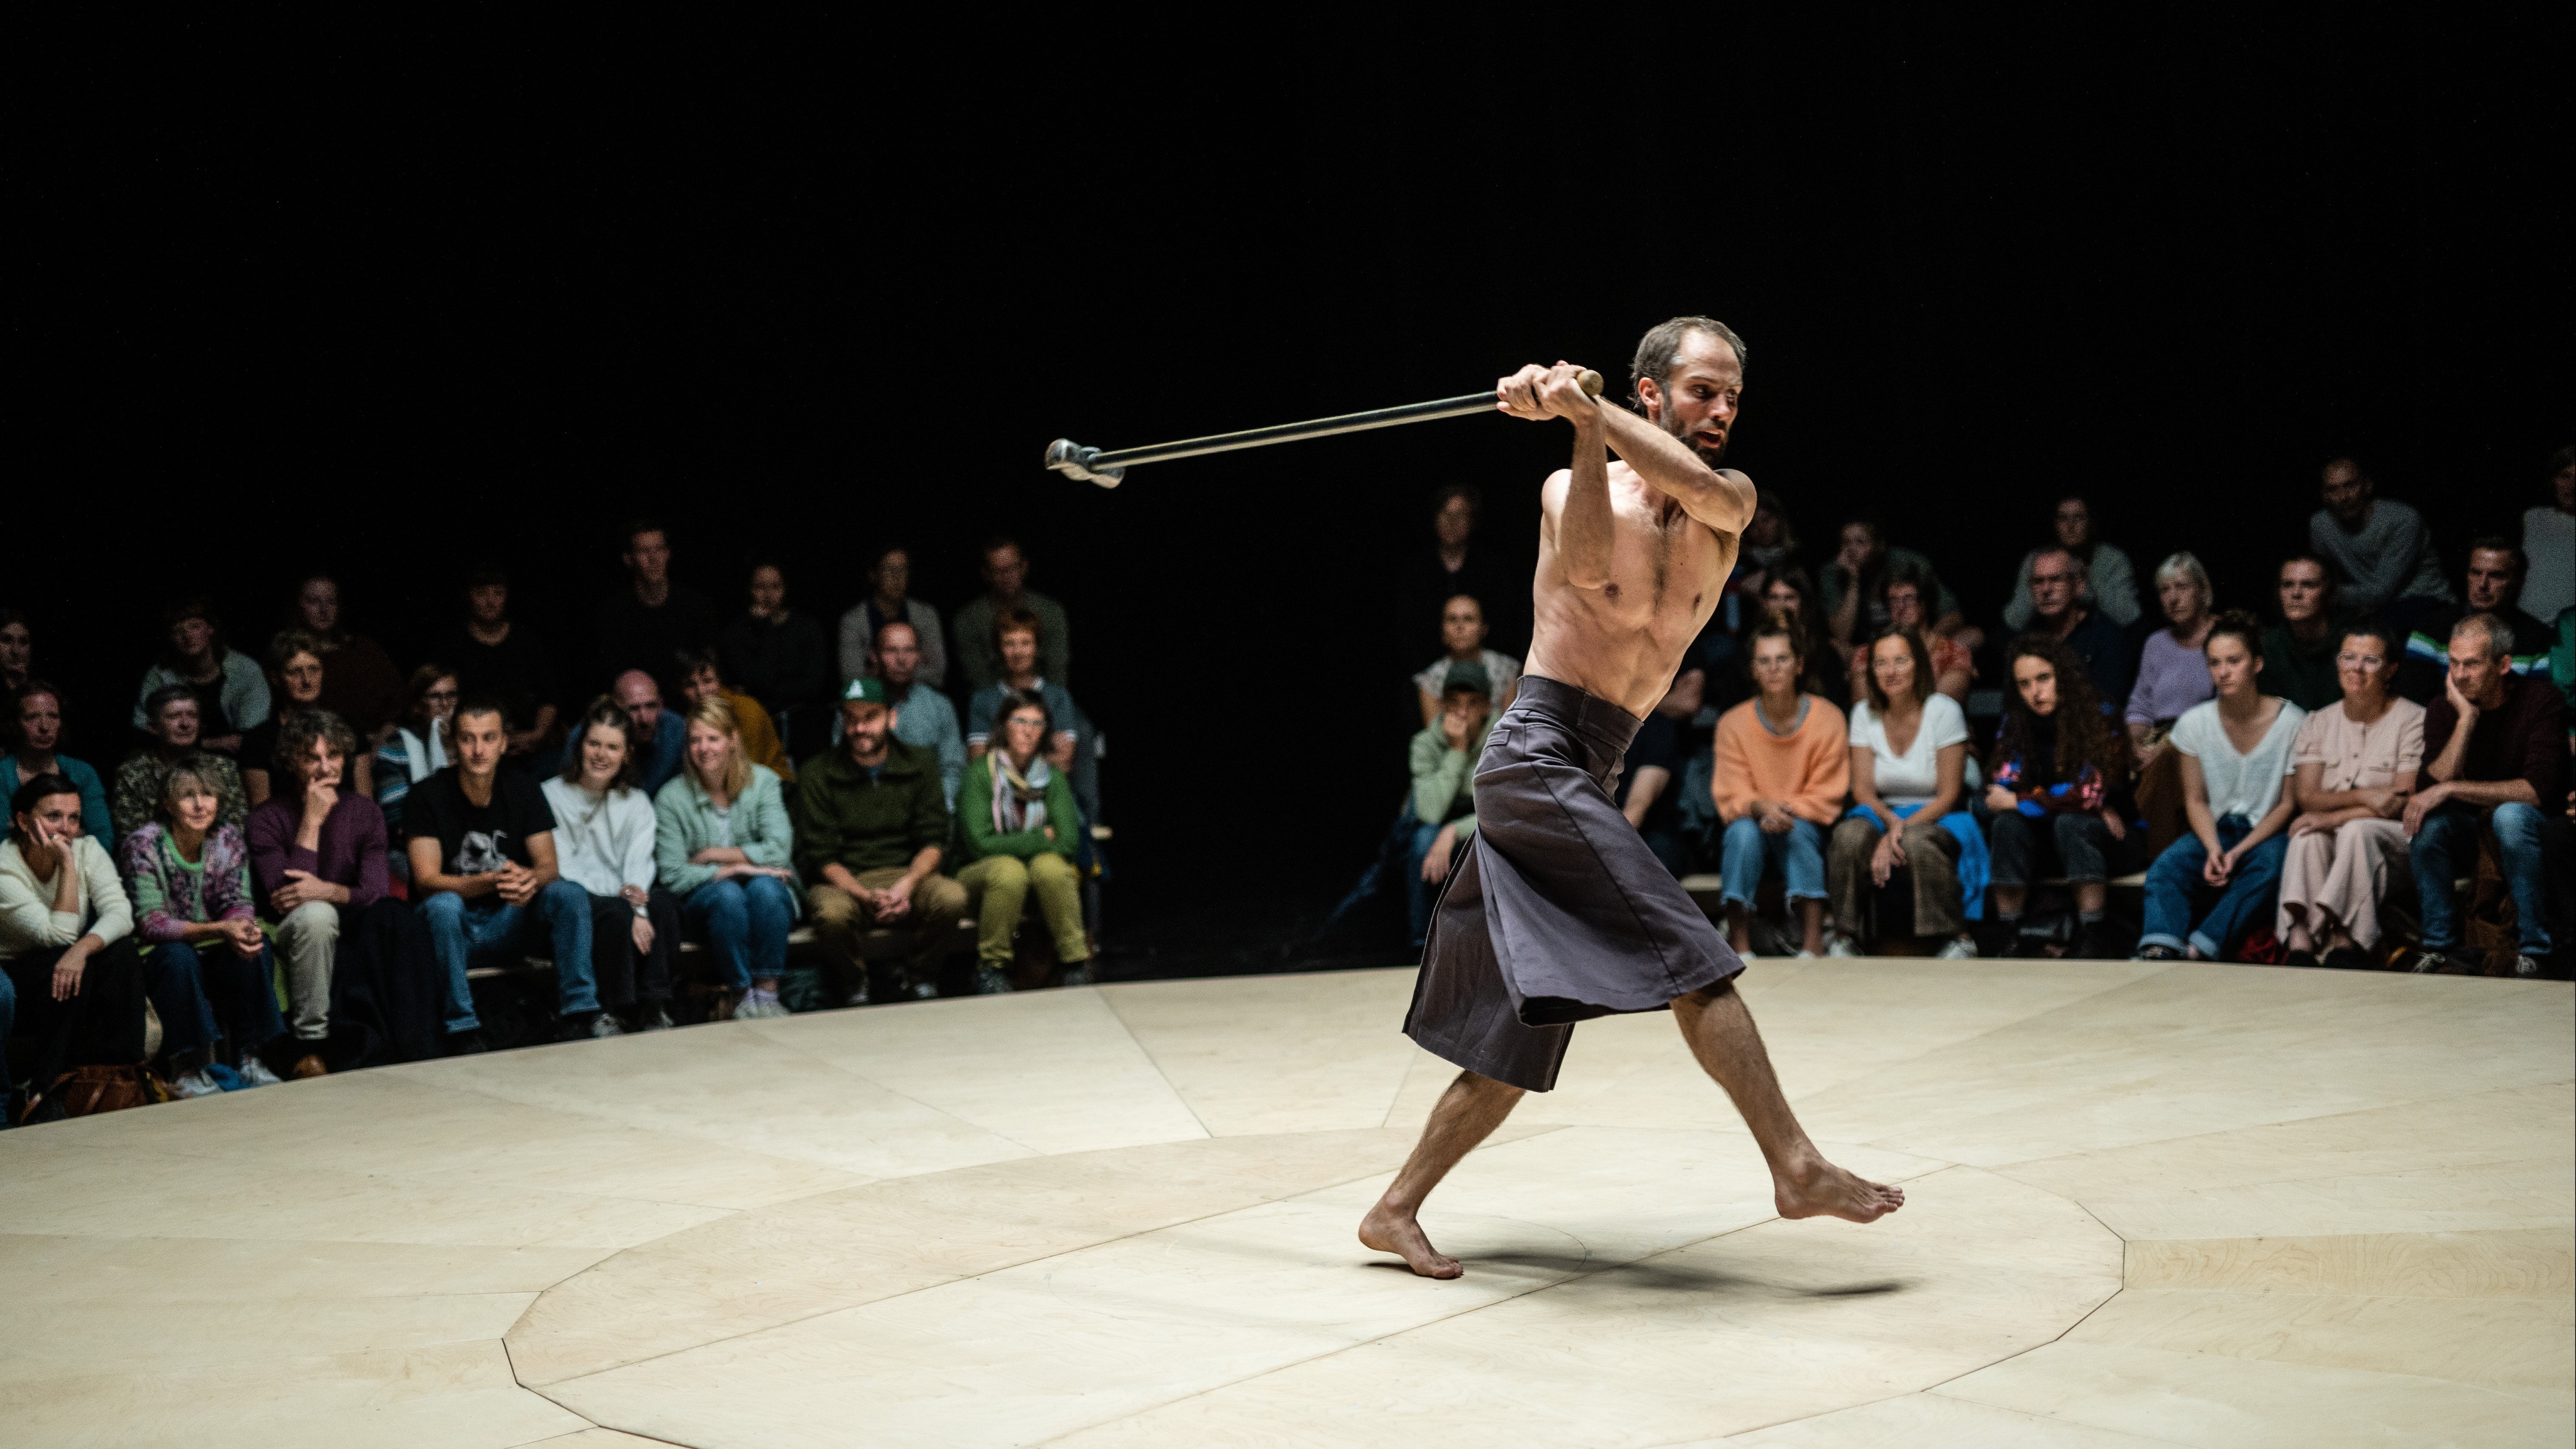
[
  {"x": 2235, "y": 754},
  {"x": 1462, "y": 634},
  {"x": 1909, "y": 753}
]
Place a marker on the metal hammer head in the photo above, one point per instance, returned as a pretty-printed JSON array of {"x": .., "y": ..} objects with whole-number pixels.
[{"x": 1074, "y": 461}]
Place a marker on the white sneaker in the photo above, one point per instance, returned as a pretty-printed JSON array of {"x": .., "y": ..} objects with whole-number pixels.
[
  {"x": 606, "y": 1024},
  {"x": 256, "y": 1072},
  {"x": 197, "y": 1084},
  {"x": 755, "y": 1007},
  {"x": 1956, "y": 950},
  {"x": 1804, "y": 955},
  {"x": 1843, "y": 948}
]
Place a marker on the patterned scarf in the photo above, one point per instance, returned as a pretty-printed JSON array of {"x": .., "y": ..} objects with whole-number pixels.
[{"x": 1019, "y": 801}]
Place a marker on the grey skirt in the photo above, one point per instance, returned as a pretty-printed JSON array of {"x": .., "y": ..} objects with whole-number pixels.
[{"x": 1558, "y": 912}]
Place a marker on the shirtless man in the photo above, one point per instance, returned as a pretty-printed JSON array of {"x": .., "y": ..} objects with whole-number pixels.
[{"x": 1559, "y": 912}]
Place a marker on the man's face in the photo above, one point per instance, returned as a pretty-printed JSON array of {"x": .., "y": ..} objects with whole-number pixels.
[
  {"x": 892, "y": 574},
  {"x": 863, "y": 726},
  {"x": 2492, "y": 585},
  {"x": 320, "y": 604},
  {"x": 2036, "y": 679},
  {"x": 17, "y": 649},
  {"x": 648, "y": 557},
  {"x": 768, "y": 590},
  {"x": 488, "y": 603},
  {"x": 641, "y": 698},
  {"x": 1019, "y": 652},
  {"x": 1454, "y": 522},
  {"x": 1466, "y": 710},
  {"x": 2346, "y": 492},
  {"x": 2475, "y": 672},
  {"x": 177, "y": 723},
  {"x": 1006, "y": 572},
  {"x": 321, "y": 764},
  {"x": 40, "y": 722},
  {"x": 1462, "y": 625},
  {"x": 2074, "y": 522},
  {"x": 1699, "y": 400},
  {"x": 1905, "y": 606},
  {"x": 479, "y": 742},
  {"x": 898, "y": 655},
  {"x": 2303, "y": 590},
  {"x": 2053, "y": 578},
  {"x": 701, "y": 683}
]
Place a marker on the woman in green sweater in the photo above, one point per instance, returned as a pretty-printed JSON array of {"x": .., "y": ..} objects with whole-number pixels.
[{"x": 1019, "y": 821}]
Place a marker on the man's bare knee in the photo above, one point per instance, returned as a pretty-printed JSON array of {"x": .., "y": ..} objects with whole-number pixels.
[
  {"x": 1707, "y": 996},
  {"x": 1484, "y": 1086}
]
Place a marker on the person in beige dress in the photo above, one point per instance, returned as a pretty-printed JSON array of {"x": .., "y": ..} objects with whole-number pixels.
[{"x": 2352, "y": 768}]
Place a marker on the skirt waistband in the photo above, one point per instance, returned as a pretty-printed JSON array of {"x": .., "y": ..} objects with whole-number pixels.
[{"x": 1606, "y": 725}]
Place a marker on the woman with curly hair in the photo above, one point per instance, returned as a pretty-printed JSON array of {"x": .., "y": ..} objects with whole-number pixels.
[
  {"x": 2057, "y": 760},
  {"x": 2235, "y": 754}
]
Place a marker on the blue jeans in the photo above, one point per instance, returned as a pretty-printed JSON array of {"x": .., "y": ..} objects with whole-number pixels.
[
  {"x": 745, "y": 923},
  {"x": 2174, "y": 881},
  {"x": 185, "y": 981},
  {"x": 1749, "y": 850},
  {"x": 460, "y": 932},
  {"x": 2446, "y": 848}
]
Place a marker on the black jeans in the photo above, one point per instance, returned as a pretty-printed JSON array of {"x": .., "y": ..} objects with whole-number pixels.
[
  {"x": 625, "y": 974},
  {"x": 100, "y": 1026},
  {"x": 2076, "y": 842}
]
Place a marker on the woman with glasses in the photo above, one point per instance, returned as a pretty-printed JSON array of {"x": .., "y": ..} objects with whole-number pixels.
[
  {"x": 2351, "y": 770},
  {"x": 417, "y": 748},
  {"x": 1020, "y": 825}
]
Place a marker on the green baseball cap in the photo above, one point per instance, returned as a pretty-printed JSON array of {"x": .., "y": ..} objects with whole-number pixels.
[{"x": 866, "y": 691}]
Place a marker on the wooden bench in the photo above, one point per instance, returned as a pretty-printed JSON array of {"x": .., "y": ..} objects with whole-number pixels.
[{"x": 888, "y": 942}]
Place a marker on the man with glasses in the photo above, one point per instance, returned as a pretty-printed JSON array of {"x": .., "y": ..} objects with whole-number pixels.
[
  {"x": 2056, "y": 583},
  {"x": 2110, "y": 585}
]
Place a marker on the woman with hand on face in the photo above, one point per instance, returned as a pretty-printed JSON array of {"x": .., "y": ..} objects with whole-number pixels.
[
  {"x": 604, "y": 844},
  {"x": 39, "y": 718},
  {"x": 209, "y": 971},
  {"x": 722, "y": 841},
  {"x": 231, "y": 691},
  {"x": 295, "y": 667},
  {"x": 2172, "y": 675},
  {"x": 1462, "y": 635},
  {"x": 2235, "y": 761},
  {"x": 1018, "y": 816},
  {"x": 1909, "y": 755},
  {"x": 2353, "y": 767},
  {"x": 67, "y": 944},
  {"x": 2053, "y": 803}
]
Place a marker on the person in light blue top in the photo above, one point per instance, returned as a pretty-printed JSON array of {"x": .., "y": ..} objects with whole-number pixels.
[
  {"x": 923, "y": 717},
  {"x": 39, "y": 718},
  {"x": 231, "y": 688},
  {"x": 722, "y": 843},
  {"x": 2235, "y": 754}
]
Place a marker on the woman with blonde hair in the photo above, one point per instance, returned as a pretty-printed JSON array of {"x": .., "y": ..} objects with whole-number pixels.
[
  {"x": 2172, "y": 675},
  {"x": 721, "y": 843}
]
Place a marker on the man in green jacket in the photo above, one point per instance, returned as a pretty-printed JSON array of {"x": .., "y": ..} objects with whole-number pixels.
[
  {"x": 1444, "y": 800},
  {"x": 871, "y": 825}
]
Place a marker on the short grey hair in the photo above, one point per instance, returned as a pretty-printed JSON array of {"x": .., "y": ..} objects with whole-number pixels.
[
  {"x": 2185, "y": 565},
  {"x": 1660, "y": 350},
  {"x": 2499, "y": 633}
]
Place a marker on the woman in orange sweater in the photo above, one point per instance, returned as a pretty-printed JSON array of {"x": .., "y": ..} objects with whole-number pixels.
[{"x": 1783, "y": 768}]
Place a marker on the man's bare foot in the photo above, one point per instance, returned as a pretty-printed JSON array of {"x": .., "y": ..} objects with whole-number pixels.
[
  {"x": 1826, "y": 1191},
  {"x": 1388, "y": 1231}
]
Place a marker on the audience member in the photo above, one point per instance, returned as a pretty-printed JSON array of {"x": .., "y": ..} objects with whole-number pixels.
[
  {"x": 1457, "y": 564},
  {"x": 1443, "y": 802},
  {"x": 1019, "y": 830},
  {"x": 1782, "y": 772},
  {"x": 723, "y": 844},
  {"x": 231, "y": 692},
  {"x": 319, "y": 861},
  {"x": 2352, "y": 769},
  {"x": 39, "y": 723},
  {"x": 416, "y": 747},
  {"x": 2235, "y": 757},
  {"x": 1462, "y": 636},
  {"x": 2110, "y": 584},
  {"x": 1769, "y": 545},
  {"x": 296, "y": 671},
  {"x": 209, "y": 968},
  {"x": 482, "y": 847},
  {"x": 2495, "y": 752},
  {"x": 2494, "y": 583},
  {"x": 1791, "y": 594},
  {"x": 2548, "y": 542},
  {"x": 1006, "y": 591},
  {"x": 173, "y": 720},
  {"x": 2090, "y": 636},
  {"x": 871, "y": 827},
  {"x": 2379, "y": 547},
  {"x": 645, "y": 625},
  {"x": 777, "y": 655},
  {"x": 1909, "y": 761},
  {"x": 923, "y": 717},
  {"x": 66, "y": 944},
  {"x": 496, "y": 659},
  {"x": 658, "y": 737},
  {"x": 890, "y": 601},
  {"x": 361, "y": 684},
  {"x": 604, "y": 843},
  {"x": 17, "y": 651},
  {"x": 701, "y": 677},
  {"x": 1646, "y": 794},
  {"x": 2173, "y": 675},
  {"x": 1855, "y": 586},
  {"x": 2059, "y": 759},
  {"x": 1021, "y": 639},
  {"x": 1953, "y": 667},
  {"x": 2299, "y": 652}
]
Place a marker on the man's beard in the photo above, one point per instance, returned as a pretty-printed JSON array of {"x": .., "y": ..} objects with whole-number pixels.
[{"x": 1694, "y": 442}]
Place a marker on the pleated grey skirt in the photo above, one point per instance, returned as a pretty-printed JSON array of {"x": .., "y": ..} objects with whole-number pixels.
[{"x": 1558, "y": 912}]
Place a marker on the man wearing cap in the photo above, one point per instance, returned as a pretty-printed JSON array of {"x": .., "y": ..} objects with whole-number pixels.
[
  {"x": 871, "y": 824},
  {"x": 1444, "y": 801}
]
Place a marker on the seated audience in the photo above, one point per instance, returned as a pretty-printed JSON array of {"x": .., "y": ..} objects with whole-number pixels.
[
  {"x": 1953, "y": 667},
  {"x": 2172, "y": 673},
  {"x": 361, "y": 684},
  {"x": 1020, "y": 640},
  {"x": 319, "y": 857},
  {"x": 723, "y": 844},
  {"x": 17, "y": 651},
  {"x": 2089, "y": 635},
  {"x": 1782, "y": 771},
  {"x": 2299, "y": 652},
  {"x": 2379, "y": 548},
  {"x": 415, "y": 747},
  {"x": 604, "y": 844},
  {"x": 1443, "y": 803},
  {"x": 230, "y": 690},
  {"x": 1646, "y": 794},
  {"x": 1792, "y": 594},
  {"x": 1462, "y": 637},
  {"x": 1855, "y": 587},
  {"x": 1457, "y": 564},
  {"x": 189, "y": 881},
  {"x": 2235, "y": 753},
  {"x": 657, "y": 737},
  {"x": 296, "y": 671},
  {"x": 644, "y": 626},
  {"x": 2110, "y": 585},
  {"x": 923, "y": 717},
  {"x": 2494, "y": 583},
  {"x": 2548, "y": 541},
  {"x": 66, "y": 944},
  {"x": 1006, "y": 592},
  {"x": 871, "y": 827},
  {"x": 1769, "y": 545},
  {"x": 497, "y": 659},
  {"x": 777, "y": 655},
  {"x": 2352, "y": 769},
  {"x": 1019, "y": 827},
  {"x": 482, "y": 847},
  {"x": 136, "y": 796},
  {"x": 2495, "y": 755},
  {"x": 1909, "y": 761},
  {"x": 2052, "y": 801},
  {"x": 890, "y": 601},
  {"x": 702, "y": 678},
  {"x": 39, "y": 721}
]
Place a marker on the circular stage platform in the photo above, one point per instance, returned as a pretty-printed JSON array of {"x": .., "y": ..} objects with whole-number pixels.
[{"x": 2146, "y": 1204}]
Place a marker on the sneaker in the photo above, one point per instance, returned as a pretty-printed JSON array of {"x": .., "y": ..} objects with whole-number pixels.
[
  {"x": 655, "y": 1016},
  {"x": 467, "y": 1043},
  {"x": 1844, "y": 948},
  {"x": 859, "y": 997},
  {"x": 2345, "y": 958},
  {"x": 255, "y": 1073},
  {"x": 604, "y": 1024},
  {"x": 226, "y": 1078},
  {"x": 989, "y": 981},
  {"x": 922, "y": 990},
  {"x": 758, "y": 1005},
  {"x": 1804, "y": 955},
  {"x": 2523, "y": 967},
  {"x": 197, "y": 1084},
  {"x": 2425, "y": 962},
  {"x": 1078, "y": 974},
  {"x": 2158, "y": 953},
  {"x": 1958, "y": 948}
]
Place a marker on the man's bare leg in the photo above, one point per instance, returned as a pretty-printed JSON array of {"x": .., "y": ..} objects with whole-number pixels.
[
  {"x": 1803, "y": 1184},
  {"x": 1465, "y": 1115}
]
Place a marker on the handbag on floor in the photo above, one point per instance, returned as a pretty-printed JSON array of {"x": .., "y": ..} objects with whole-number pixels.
[{"x": 87, "y": 1091}]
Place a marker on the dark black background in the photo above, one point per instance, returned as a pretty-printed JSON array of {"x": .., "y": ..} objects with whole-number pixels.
[{"x": 383, "y": 297}]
